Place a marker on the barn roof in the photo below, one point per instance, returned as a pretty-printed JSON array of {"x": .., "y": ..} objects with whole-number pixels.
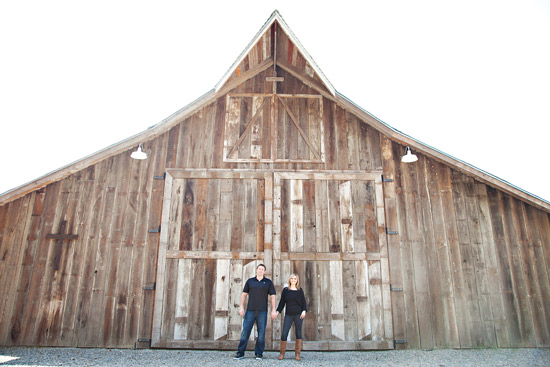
[{"x": 321, "y": 84}]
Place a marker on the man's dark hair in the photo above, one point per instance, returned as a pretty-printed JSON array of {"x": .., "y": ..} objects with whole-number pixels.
[{"x": 261, "y": 265}]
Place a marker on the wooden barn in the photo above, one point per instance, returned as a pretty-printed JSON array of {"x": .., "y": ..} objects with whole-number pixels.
[{"x": 273, "y": 166}]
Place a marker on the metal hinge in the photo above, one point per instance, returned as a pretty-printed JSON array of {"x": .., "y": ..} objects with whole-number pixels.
[
  {"x": 395, "y": 289},
  {"x": 391, "y": 232},
  {"x": 155, "y": 230},
  {"x": 150, "y": 287},
  {"x": 386, "y": 179},
  {"x": 399, "y": 341},
  {"x": 163, "y": 177},
  {"x": 142, "y": 340}
]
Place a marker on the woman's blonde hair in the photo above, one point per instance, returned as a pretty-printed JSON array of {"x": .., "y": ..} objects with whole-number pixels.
[{"x": 297, "y": 280}]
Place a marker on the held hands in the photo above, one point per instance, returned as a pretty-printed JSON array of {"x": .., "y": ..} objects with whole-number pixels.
[
  {"x": 274, "y": 315},
  {"x": 303, "y": 315}
]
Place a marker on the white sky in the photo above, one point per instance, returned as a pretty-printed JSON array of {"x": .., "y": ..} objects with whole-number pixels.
[{"x": 470, "y": 78}]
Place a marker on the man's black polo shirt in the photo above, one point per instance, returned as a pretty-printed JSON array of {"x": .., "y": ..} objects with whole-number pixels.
[{"x": 258, "y": 290}]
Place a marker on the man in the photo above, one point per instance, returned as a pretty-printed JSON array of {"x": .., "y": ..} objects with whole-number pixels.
[{"x": 258, "y": 289}]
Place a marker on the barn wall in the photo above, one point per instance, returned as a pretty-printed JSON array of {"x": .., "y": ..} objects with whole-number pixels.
[{"x": 471, "y": 262}]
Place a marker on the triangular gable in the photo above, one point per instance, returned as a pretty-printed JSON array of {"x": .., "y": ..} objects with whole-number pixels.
[{"x": 260, "y": 48}]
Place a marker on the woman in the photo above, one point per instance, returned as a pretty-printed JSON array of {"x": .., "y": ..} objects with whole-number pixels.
[{"x": 295, "y": 301}]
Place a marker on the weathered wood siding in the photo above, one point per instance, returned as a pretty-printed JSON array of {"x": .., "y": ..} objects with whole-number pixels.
[
  {"x": 468, "y": 266},
  {"x": 471, "y": 261}
]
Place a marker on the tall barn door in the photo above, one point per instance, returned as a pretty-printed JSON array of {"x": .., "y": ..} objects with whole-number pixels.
[
  {"x": 330, "y": 230},
  {"x": 212, "y": 238},
  {"x": 217, "y": 226}
]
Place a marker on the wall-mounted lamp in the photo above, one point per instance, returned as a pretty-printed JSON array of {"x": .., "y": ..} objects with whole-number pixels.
[
  {"x": 139, "y": 154},
  {"x": 409, "y": 157}
]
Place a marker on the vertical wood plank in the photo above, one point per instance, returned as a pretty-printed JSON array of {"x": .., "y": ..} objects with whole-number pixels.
[
  {"x": 12, "y": 253},
  {"x": 364, "y": 330},
  {"x": 418, "y": 253},
  {"x": 333, "y": 215},
  {"x": 521, "y": 305},
  {"x": 199, "y": 232},
  {"x": 337, "y": 301},
  {"x": 181, "y": 315},
  {"x": 235, "y": 290},
  {"x": 161, "y": 269},
  {"x": 463, "y": 316},
  {"x": 296, "y": 216},
  {"x": 531, "y": 276},
  {"x": 433, "y": 267},
  {"x": 375, "y": 295},
  {"x": 537, "y": 238},
  {"x": 361, "y": 215},
  {"x": 346, "y": 216},
  {"x": 350, "y": 300},
  {"x": 308, "y": 202},
  {"x": 445, "y": 274},
  {"x": 222, "y": 299}
]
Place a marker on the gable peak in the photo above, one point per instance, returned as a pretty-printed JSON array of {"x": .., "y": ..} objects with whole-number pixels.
[{"x": 281, "y": 25}]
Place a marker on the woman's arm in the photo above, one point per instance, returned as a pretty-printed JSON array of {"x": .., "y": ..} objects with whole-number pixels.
[
  {"x": 282, "y": 301},
  {"x": 303, "y": 300}
]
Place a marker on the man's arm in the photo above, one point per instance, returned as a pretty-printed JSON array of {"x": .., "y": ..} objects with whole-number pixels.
[
  {"x": 273, "y": 309},
  {"x": 241, "y": 307}
]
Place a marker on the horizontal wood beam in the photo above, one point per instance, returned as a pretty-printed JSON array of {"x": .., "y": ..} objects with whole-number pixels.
[
  {"x": 306, "y": 345},
  {"x": 366, "y": 176},
  {"x": 220, "y": 173},
  {"x": 230, "y": 255},
  {"x": 329, "y": 256},
  {"x": 216, "y": 174}
]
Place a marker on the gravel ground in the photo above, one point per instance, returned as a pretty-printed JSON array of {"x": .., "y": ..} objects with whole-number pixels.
[{"x": 155, "y": 357}]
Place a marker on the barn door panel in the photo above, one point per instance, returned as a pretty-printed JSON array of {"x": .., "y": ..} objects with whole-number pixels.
[
  {"x": 273, "y": 128},
  {"x": 211, "y": 241},
  {"x": 332, "y": 234}
]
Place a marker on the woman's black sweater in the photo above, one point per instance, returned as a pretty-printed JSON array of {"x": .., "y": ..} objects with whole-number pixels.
[{"x": 295, "y": 301}]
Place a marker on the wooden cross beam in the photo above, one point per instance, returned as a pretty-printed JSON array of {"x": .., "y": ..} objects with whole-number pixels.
[
  {"x": 62, "y": 236},
  {"x": 275, "y": 79}
]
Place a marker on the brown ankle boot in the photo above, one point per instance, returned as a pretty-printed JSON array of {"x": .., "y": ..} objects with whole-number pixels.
[
  {"x": 298, "y": 349},
  {"x": 282, "y": 350}
]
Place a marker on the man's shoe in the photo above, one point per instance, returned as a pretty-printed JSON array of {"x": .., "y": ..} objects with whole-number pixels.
[
  {"x": 238, "y": 356},
  {"x": 259, "y": 357}
]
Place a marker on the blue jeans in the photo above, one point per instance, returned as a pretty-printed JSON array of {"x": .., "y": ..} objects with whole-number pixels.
[
  {"x": 260, "y": 318},
  {"x": 289, "y": 319}
]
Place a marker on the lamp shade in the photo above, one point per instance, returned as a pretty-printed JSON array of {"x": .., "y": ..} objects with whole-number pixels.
[
  {"x": 409, "y": 157},
  {"x": 139, "y": 154}
]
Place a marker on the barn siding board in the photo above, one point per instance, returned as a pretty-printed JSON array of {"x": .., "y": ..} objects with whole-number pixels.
[
  {"x": 406, "y": 265},
  {"x": 433, "y": 268},
  {"x": 79, "y": 247},
  {"x": 24, "y": 285},
  {"x": 12, "y": 258},
  {"x": 536, "y": 284},
  {"x": 503, "y": 260},
  {"x": 522, "y": 309},
  {"x": 451, "y": 338},
  {"x": 541, "y": 270},
  {"x": 463, "y": 317},
  {"x": 495, "y": 289},
  {"x": 471, "y": 259},
  {"x": 418, "y": 256}
]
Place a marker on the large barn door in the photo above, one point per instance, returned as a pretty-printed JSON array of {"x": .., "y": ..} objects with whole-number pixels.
[
  {"x": 212, "y": 238},
  {"x": 217, "y": 226},
  {"x": 331, "y": 232}
]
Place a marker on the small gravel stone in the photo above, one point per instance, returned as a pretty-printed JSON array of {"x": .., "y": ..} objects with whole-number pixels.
[{"x": 528, "y": 357}]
